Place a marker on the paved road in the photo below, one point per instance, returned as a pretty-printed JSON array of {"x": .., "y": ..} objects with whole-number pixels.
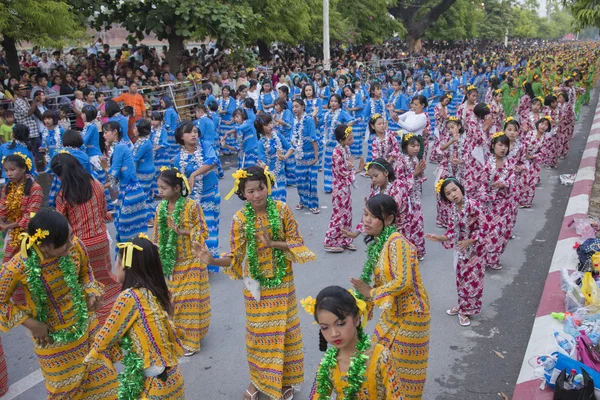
[{"x": 462, "y": 364}]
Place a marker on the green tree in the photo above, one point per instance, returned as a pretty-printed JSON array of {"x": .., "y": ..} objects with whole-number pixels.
[
  {"x": 497, "y": 19},
  {"x": 174, "y": 20},
  {"x": 36, "y": 21},
  {"x": 458, "y": 23},
  {"x": 586, "y": 13},
  {"x": 417, "y": 16},
  {"x": 525, "y": 24}
]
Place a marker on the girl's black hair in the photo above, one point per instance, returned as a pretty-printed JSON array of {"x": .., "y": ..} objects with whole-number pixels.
[
  {"x": 374, "y": 85},
  {"x": 500, "y": 139},
  {"x": 20, "y": 162},
  {"x": 50, "y": 114},
  {"x": 52, "y": 221},
  {"x": 112, "y": 108},
  {"x": 299, "y": 101},
  {"x": 240, "y": 111},
  {"x": 72, "y": 138},
  {"x": 255, "y": 173},
  {"x": 481, "y": 110},
  {"x": 127, "y": 111},
  {"x": 169, "y": 176},
  {"x": 381, "y": 164},
  {"x": 213, "y": 106},
  {"x": 281, "y": 102},
  {"x": 261, "y": 120},
  {"x": 494, "y": 82},
  {"x": 565, "y": 95},
  {"x": 226, "y": 87},
  {"x": 372, "y": 122},
  {"x": 349, "y": 87},
  {"x": 337, "y": 97},
  {"x": 249, "y": 104},
  {"x": 337, "y": 301},
  {"x": 168, "y": 102},
  {"x": 448, "y": 181},
  {"x": 539, "y": 121},
  {"x": 76, "y": 182},
  {"x": 185, "y": 127},
  {"x": 146, "y": 272},
  {"x": 144, "y": 128},
  {"x": 422, "y": 99},
  {"x": 381, "y": 206},
  {"x": 444, "y": 97},
  {"x": 340, "y": 132},
  {"x": 512, "y": 122},
  {"x": 405, "y": 143},
  {"x": 303, "y": 94},
  {"x": 549, "y": 100},
  {"x": 468, "y": 93},
  {"x": 20, "y": 133},
  {"x": 90, "y": 113},
  {"x": 529, "y": 90},
  {"x": 113, "y": 126},
  {"x": 458, "y": 122},
  {"x": 157, "y": 116}
]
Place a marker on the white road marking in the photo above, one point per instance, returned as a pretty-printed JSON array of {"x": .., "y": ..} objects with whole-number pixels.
[{"x": 24, "y": 384}]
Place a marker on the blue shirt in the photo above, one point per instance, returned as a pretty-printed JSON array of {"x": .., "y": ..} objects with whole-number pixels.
[
  {"x": 124, "y": 124},
  {"x": 288, "y": 118},
  {"x": 51, "y": 143},
  {"x": 266, "y": 99},
  {"x": 91, "y": 141},
  {"x": 122, "y": 166},
  {"x": 209, "y": 157},
  {"x": 270, "y": 157},
  {"x": 309, "y": 135},
  {"x": 228, "y": 106},
  {"x": 143, "y": 156},
  {"x": 171, "y": 119},
  {"x": 159, "y": 138},
  {"x": 207, "y": 128},
  {"x": 82, "y": 157},
  {"x": 19, "y": 148},
  {"x": 248, "y": 136}
]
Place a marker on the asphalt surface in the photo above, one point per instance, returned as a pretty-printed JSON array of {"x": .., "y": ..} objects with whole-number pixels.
[{"x": 462, "y": 362}]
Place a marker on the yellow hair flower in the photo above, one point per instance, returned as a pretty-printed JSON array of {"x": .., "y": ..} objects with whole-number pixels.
[
  {"x": 128, "y": 248},
  {"x": 408, "y": 136},
  {"x": 28, "y": 241},
  {"x": 508, "y": 119},
  {"x": 541, "y": 99},
  {"x": 28, "y": 162},
  {"x": 375, "y": 116},
  {"x": 347, "y": 131},
  {"x": 454, "y": 119},
  {"x": 449, "y": 96},
  {"x": 237, "y": 176},
  {"x": 438, "y": 186},
  {"x": 143, "y": 236},
  {"x": 309, "y": 304},
  {"x": 497, "y": 91},
  {"x": 63, "y": 152},
  {"x": 363, "y": 311},
  {"x": 471, "y": 87},
  {"x": 547, "y": 117},
  {"x": 497, "y": 135},
  {"x": 163, "y": 168}
]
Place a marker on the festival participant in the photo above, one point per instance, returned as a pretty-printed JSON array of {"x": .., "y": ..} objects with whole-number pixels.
[
  {"x": 398, "y": 290},
  {"x": 525, "y": 103},
  {"x": 343, "y": 177},
  {"x": 312, "y": 102},
  {"x": 496, "y": 195},
  {"x": 567, "y": 124},
  {"x": 477, "y": 128},
  {"x": 131, "y": 214},
  {"x": 92, "y": 141},
  {"x": 160, "y": 144},
  {"x": 171, "y": 120},
  {"x": 179, "y": 221},
  {"x": 196, "y": 160},
  {"x": 266, "y": 98},
  {"x": 467, "y": 235},
  {"x": 354, "y": 367},
  {"x": 273, "y": 151},
  {"x": 143, "y": 157},
  {"x": 353, "y": 104},
  {"x": 534, "y": 141},
  {"x": 273, "y": 338},
  {"x": 53, "y": 264},
  {"x": 73, "y": 145},
  {"x": 375, "y": 105},
  {"x": 207, "y": 129},
  {"x": 432, "y": 93},
  {"x": 140, "y": 323},
  {"x": 441, "y": 115},
  {"x": 385, "y": 144},
  {"x": 17, "y": 145},
  {"x": 306, "y": 154},
  {"x": 517, "y": 154},
  {"x": 497, "y": 111},
  {"x": 398, "y": 102},
  {"x": 416, "y": 122},
  {"x": 113, "y": 111},
  {"x": 410, "y": 170},
  {"x": 82, "y": 201},
  {"x": 552, "y": 148}
]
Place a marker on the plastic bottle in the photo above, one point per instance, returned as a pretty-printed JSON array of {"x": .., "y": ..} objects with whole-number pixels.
[
  {"x": 578, "y": 382},
  {"x": 563, "y": 343},
  {"x": 548, "y": 363},
  {"x": 569, "y": 380}
]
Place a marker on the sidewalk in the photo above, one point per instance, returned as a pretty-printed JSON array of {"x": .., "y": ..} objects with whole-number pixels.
[{"x": 552, "y": 300}]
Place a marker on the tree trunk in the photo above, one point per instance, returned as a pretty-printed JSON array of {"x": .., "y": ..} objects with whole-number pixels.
[
  {"x": 415, "y": 44},
  {"x": 12, "y": 56},
  {"x": 263, "y": 50},
  {"x": 175, "y": 52}
]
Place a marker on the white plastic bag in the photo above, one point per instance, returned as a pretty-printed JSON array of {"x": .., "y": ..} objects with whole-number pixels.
[{"x": 570, "y": 339}]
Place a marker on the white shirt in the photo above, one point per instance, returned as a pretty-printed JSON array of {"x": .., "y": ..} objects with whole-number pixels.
[
  {"x": 413, "y": 123},
  {"x": 45, "y": 66}
]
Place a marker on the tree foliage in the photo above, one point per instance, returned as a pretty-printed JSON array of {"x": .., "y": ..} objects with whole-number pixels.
[
  {"x": 458, "y": 23},
  {"x": 586, "y": 13}
]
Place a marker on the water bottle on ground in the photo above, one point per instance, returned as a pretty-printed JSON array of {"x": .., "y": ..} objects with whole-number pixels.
[
  {"x": 578, "y": 382},
  {"x": 563, "y": 343},
  {"x": 548, "y": 363}
]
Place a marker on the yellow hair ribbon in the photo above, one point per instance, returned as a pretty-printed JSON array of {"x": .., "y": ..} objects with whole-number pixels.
[
  {"x": 347, "y": 131},
  {"x": 438, "y": 186},
  {"x": 163, "y": 168},
  {"x": 237, "y": 175},
  {"x": 63, "y": 152},
  {"x": 128, "y": 248},
  {"x": 497, "y": 134},
  {"x": 28, "y": 241},
  {"x": 185, "y": 181},
  {"x": 270, "y": 178},
  {"x": 367, "y": 165},
  {"x": 363, "y": 311}
]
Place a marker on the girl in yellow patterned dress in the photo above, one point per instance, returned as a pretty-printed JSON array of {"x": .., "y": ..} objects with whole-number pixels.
[
  {"x": 266, "y": 234},
  {"x": 179, "y": 220},
  {"x": 61, "y": 297},
  {"x": 353, "y": 368},
  {"x": 140, "y": 322},
  {"x": 398, "y": 290}
]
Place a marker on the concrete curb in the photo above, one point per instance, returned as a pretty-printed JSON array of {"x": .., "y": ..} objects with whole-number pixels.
[{"x": 541, "y": 340}]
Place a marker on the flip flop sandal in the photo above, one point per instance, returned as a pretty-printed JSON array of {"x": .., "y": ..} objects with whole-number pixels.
[
  {"x": 330, "y": 249},
  {"x": 453, "y": 311},
  {"x": 315, "y": 210},
  {"x": 288, "y": 394},
  {"x": 350, "y": 247},
  {"x": 497, "y": 267},
  {"x": 463, "y": 320},
  {"x": 299, "y": 207},
  {"x": 253, "y": 396}
]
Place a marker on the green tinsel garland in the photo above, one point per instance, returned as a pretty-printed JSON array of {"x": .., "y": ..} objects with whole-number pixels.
[
  {"x": 356, "y": 371},
  {"x": 40, "y": 297},
  {"x": 252, "y": 247},
  {"x": 167, "y": 244},
  {"x": 131, "y": 380},
  {"x": 373, "y": 256}
]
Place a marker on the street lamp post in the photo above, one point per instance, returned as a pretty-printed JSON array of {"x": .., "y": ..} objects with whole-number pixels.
[{"x": 326, "y": 56}]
